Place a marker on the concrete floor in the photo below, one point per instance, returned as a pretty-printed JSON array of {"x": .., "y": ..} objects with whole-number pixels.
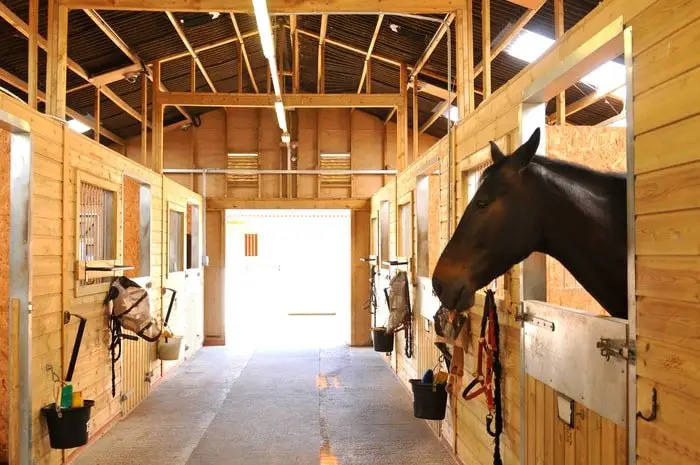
[{"x": 307, "y": 404}]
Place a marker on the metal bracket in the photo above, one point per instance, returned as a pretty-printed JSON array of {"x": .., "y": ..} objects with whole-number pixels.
[
  {"x": 618, "y": 348},
  {"x": 533, "y": 320}
]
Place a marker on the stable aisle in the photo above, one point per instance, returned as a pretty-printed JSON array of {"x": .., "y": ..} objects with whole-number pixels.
[{"x": 307, "y": 406}]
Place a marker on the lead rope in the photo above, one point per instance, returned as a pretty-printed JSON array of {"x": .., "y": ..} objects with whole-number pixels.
[
  {"x": 497, "y": 368},
  {"x": 408, "y": 324}
]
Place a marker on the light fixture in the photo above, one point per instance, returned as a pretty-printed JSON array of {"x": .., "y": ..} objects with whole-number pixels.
[
  {"x": 286, "y": 137},
  {"x": 262, "y": 17},
  {"x": 336, "y": 155},
  {"x": 281, "y": 120},
  {"x": 78, "y": 126},
  {"x": 275, "y": 78}
]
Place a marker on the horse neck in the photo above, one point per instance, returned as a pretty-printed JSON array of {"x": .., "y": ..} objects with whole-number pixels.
[{"x": 584, "y": 228}]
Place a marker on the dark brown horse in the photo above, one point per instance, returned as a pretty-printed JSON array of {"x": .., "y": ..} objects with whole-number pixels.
[{"x": 527, "y": 203}]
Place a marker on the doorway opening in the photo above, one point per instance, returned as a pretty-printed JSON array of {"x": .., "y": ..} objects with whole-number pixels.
[{"x": 288, "y": 280}]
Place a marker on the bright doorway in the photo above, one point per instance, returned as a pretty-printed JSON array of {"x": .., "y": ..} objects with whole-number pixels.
[{"x": 288, "y": 278}]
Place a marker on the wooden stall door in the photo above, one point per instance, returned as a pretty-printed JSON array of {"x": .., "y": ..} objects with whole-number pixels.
[
  {"x": 593, "y": 439},
  {"x": 175, "y": 277},
  {"x": 194, "y": 280}
]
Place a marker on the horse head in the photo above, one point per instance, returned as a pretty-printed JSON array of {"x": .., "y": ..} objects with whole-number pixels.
[{"x": 499, "y": 228}]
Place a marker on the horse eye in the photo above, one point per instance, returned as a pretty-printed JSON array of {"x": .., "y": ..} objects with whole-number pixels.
[{"x": 481, "y": 203}]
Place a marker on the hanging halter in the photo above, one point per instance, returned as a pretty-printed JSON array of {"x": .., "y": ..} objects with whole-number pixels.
[{"x": 490, "y": 381}]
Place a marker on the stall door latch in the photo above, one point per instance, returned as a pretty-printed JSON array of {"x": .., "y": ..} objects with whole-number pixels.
[{"x": 618, "y": 348}]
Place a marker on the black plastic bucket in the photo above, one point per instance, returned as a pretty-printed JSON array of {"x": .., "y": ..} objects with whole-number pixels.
[
  {"x": 383, "y": 342},
  {"x": 429, "y": 400},
  {"x": 71, "y": 429}
]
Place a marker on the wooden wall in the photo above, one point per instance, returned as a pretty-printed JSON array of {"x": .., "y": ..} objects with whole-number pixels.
[
  {"x": 667, "y": 188},
  {"x": 4, "y": 294},
  {"x": 58, "y": 155}
]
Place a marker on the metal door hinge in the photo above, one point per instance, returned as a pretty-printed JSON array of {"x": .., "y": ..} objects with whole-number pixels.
[
  {"x": 533, "y": 320},
  {"x": 618, "y": 348},
  {"x": 125, "y": 396},
  {"x": 148, "y": 377}
]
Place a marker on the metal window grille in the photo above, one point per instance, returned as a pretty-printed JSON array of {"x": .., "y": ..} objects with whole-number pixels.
[
  {"x": 96, "y": 236},
  {"x": 242, "y": 161},
  {"x": 251, "y": 245},
  {"x": 335, "y": 161}
]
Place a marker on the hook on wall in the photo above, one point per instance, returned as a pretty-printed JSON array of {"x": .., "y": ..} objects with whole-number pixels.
[{"x": 654, "y": 408}]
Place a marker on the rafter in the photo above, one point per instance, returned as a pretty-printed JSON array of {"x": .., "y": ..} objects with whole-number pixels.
[
  {"x": 587, "y": 101},
  {"x": 188, "y": 46},
  {"x": 432, "y": 45},
  {"x": 24, "y": 87},
  {"x": 294, "y": 36},
  {"x": 23, "y": 28},
  {"x": 368, "y": 56},
  {"x": 209, "y": 99},
  {"x": 244, "y": 53},
  {"x": 133, "y": 56}
]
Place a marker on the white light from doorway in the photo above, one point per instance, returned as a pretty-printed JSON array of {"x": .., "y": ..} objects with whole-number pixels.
[
  {"x": 78, "y": 126},
  {"x": 453, "y": 112}
]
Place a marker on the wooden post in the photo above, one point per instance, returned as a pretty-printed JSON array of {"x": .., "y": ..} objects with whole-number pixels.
[
  {"x": 415, "y": 119},
  {"x": 402, "y": 120},
  {"x": 193, "y": 75},
  {"x": 368, "y": 77},
  {"x": 57, "y": 59},
  {"x": 240, "y": 68},
  {"x": 98, "y": 94},
  {"x": 465, "y": 60},
  {"x": 144, "y": 120},
  {"x": 295, "y": 53},
  {"x": 33, "y": 57},
  {"x": 558, "y": 32},
  {"x": 157, "y": 152},
  {"x": 486, "y": 46},
  {"x": 322, "y": 54}
]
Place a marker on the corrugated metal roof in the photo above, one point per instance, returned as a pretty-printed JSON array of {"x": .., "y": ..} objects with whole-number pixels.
[{"x": 151, "y": 36}]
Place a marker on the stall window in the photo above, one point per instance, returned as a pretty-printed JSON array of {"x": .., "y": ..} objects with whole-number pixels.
[
  {"x": 422, "y": 219},
  {"x": 384, "y": 212},
  {"x": 97, "y": 246},
  {"x": 176, "y": 246},
  {"x": 405, "y": 248},
  {"x": 193, "y": 253},
  {"x": 137, "y": 227}
]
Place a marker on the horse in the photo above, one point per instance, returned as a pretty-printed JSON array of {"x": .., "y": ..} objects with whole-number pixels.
[{"x": 528, "y": 203}]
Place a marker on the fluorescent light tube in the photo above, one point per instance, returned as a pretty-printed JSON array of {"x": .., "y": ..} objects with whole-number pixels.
[
  {"x": 275, "y": 78},
  {"x": 262, "y": 17},
  {"x": 281, "y": 119}
]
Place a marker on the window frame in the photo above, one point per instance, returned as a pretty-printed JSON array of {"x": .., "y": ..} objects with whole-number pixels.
[
  {"x": 145, "y": 254},
  {"x": 176, "y": 207},
  {"x": 422, "y": 202},
  {"x": 193, "y": 204},
  {"x": 384, "y": 246},
  {"x": 81, "y": 274}
]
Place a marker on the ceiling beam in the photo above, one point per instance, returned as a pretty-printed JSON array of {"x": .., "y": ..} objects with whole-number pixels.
[
  {"x": 239, "y": 36},
  {"x": 180, "y": 32},
  {"x": 349, "y": 47},
  {"x": 368, "y": 56},
  {"x": 320, "y": 71},
  {"x": 432, "y": 45},
  {"x": 294, "y": 37},
  {"x": 209, "y": 99},
  {"x": 23, "y": 28},
  {"x": 436, "y": 114},
  {"x": 24, "y": 87},
  {"x": 587, "y": 101},
  {"x": 618, "y": 117},
  {"x": 274, "y": 6}
]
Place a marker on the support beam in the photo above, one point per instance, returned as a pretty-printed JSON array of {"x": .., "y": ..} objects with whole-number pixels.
[
  {"x": 586, "y": 102},
  {"x": 414, "y": 124},
  {"x": 507, "y": 38},
  {"x": 180, "y": 32},
  {"x": 239, "y": 36},
  {"x": 349, "y": 47},
  {"x": 322, "y": 55},
  {"x": 23, "y": 86},
  {"x": 33, "y": 53},
  {"x": 560, "y": 99},
  {"x": 144, "y": 121},
  {"x": 437, "y": 114},
  {"x": 432, "y": 45},
  {"x": 157, "y": 151},
  {"x": 56, "y": 60},
  {"x": 366, "y": 68},
  {"x": 208, "y": 99},
  {"x": 112, "y": 35},
  {"x": 294, "y": 36},
  {"x": 465, "y": 61},
  {"x": 98, "y": 110},
  {"x": 486, "y": 46},
  {"x": 239, "y": 71},
  {"x": 274, "y": 6},
  {"x": 402, "y": 120}
]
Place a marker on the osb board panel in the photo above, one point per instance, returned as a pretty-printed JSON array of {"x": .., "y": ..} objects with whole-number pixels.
[
  {"x": 132, "y": 226},
  {"x": 599, "y": 148},
  {"x": 4, "y": 296},
  {"x": 360, "y": 317}
]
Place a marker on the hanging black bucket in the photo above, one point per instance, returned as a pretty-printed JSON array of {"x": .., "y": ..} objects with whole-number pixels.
[
  {"x": 429, "y": 400},
  {"x": 383, "y": 342},
  {"x": 70, "y": 430}
]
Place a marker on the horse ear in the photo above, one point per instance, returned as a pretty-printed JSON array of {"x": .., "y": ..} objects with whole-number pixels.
[
  {"x": 496, "y": 153},
  {"x": 525, "y": 152}
]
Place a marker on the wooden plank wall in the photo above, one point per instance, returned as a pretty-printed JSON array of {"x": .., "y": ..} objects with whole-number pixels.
[
  {"x": 4, "y": 294},
  {"x": 58, "y": 153},
  {"x": 667, "y": 187}
]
